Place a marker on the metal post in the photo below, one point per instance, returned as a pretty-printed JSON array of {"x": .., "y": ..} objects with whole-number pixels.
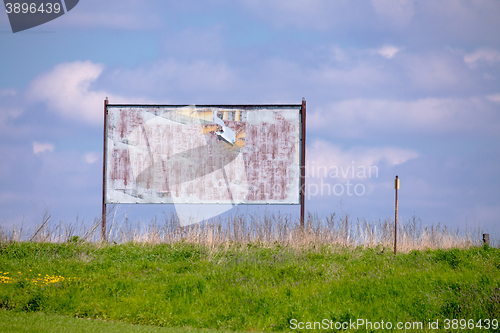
[
  {"x": 105, "y": 142},
  {"x": 396, "y": 187},
  {"x": 486, "y": 239},
  {"x": 303, "y": 165}
]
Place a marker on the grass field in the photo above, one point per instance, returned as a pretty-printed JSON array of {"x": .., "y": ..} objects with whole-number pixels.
[
  {"x": 251, "y": 286},
  {"x": 37, "y": 322}
]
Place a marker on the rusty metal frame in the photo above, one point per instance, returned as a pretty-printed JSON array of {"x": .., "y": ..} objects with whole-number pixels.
[
  {"x": 104, "y": 152},
  {"x": 240, "y": 106},
  {"x": 302, "y": 151},
  {"x": 303, "y": 163}
]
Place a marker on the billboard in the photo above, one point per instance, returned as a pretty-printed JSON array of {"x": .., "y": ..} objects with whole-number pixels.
[{"x": 208, "y": 154}]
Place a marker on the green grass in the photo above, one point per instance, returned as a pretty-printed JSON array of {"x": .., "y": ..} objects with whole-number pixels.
[
  {"x": 251, "y": 288},
  {"x": 31, "y": 322}
]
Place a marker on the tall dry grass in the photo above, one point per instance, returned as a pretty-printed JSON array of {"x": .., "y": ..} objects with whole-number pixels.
[{"x": 264, "y": 229}]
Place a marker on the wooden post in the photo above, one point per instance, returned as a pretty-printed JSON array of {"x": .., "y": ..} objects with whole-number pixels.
[
  {"x": 105, "y": 142},
  {"x": 396, "y": 187},
  {"x": 486, "y": 239}
]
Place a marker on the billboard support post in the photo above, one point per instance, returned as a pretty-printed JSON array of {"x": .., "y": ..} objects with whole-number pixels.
[
  {"x": 396, "y": 187},
  {"x": 303, "y": 165},
  {"x": 105, "y": 142}
]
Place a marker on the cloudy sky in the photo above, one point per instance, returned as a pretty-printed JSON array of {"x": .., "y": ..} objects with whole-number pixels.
[{"x": 407, "y": 88}]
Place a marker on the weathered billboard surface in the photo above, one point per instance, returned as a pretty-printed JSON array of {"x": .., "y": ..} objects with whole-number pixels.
[{"x": 203, "y": 154}]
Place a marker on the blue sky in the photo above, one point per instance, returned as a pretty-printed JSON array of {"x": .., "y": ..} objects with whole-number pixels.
[{"x": 407, "y": 87}]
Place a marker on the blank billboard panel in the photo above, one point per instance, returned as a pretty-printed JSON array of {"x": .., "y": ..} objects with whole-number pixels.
[{"x": 203, "y": 154}]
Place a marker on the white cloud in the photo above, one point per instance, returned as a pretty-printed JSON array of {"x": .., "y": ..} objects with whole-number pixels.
[
  {"x": 322, "y": 154},
  {"x": 435, "y": 71},
  {"x": 91, "y": 158},
  {"x": 494, "y": 98},
  {"x": 39, "y": 147},
  {"x": 8, "y": 105},
  {"x": 357, "y": 72},
  {"x": 67, "y": 91},
  {"x": 483, "y": 55},
  {"x": 360, "y": 76},
  {"x": 368, "y": 117},
  {"x": 186, "y": 81},
  {"x": 7, "y": 112},
  {"x": 388, "y": 51},
  {"x": 185, "y": 75}
]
